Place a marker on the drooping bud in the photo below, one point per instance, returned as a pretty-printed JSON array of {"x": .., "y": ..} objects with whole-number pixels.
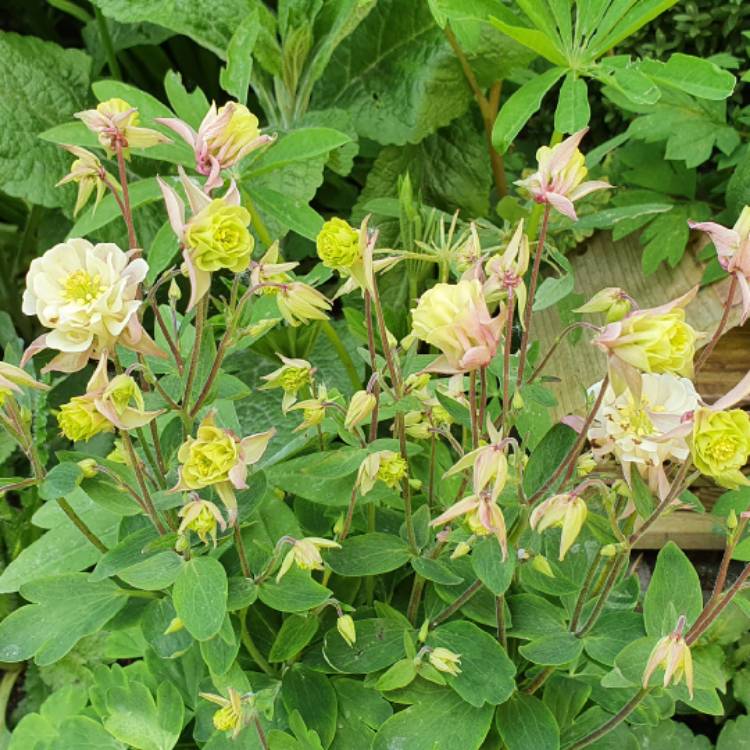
[
  {"x": 347, "y": 630},
  {"x": 672, "y": 654},
  {"x": 568, "y": 511},
  {"x": 445, "y": 660},
  {"x": 360, "y": 408},
  {"x": 88, "y": 467},
  {"x": 612, "y": 301}
]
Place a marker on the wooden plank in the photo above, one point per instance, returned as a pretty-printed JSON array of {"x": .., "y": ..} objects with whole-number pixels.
[{"x": 686, "y": 529}]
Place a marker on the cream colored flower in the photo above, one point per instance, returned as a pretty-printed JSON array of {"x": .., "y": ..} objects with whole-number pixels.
[
  {"x": 305, "y": 554},
  {"x": 88, "y": 296},
  {"x": 445, "y": 660},
  {"x": 505, "y": 271},
  {"x": 673, "y": 655},
  {"x": 360, "y": 408},
  {"x": 87, "y": 171},
  {"x": 13, "y": 379},
  {"x": 201, "y": 517},
  {"x": 454, "y": 319},
  {"x": 568, "y": 511}
]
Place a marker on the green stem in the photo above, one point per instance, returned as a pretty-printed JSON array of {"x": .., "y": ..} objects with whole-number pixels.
[
  {"x": 251, "y": 648},
  {"x": 614, "y": 574},
  {"x": 344, "y": 355},
  {"x": 200, "y": 319},
  {"x": 109, "y": 50},
  {"x": 260, "y": 227},
  {"x": 239, "y": 544},
  {"x": 459, "y": 602},
  {"x": 80, "y": 524},
  {"x": 609, "y": 725},
  {"x": 6, "y": 688}
]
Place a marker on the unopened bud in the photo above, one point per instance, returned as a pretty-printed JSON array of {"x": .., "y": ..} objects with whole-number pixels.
[
  {"x": 415, "y": 484},
  {"x": 612, "y": 301},
  {"x": 446, "y": 661},
  {"x": 732, "y": 520},
  {"x": 347, "y": 630},
  {"x": 174, "y": 626},
  {"x": 517, "y": 401},
  {"x": 87, "y": 467},
  {"x": 541, "y": 565},
  {"x": 360, "y": 407},
  {"x": 462, "y": 548},
  {"x": 174, "y": 292},
  {"x": 182, "y": 544},
  {"x": 338, "y": 526},
  {"x": 424, "y": 631},
  {"x": 609, "y": 550}
]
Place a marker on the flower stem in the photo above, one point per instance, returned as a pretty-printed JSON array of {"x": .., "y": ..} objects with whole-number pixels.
[
  {"x": 200, "y": 319},
  {"x": 473, "y": 409},
  {"x": 507, "y": 346},
  {"x": 135, "y": 463},
  {"x": 344, "y": 355},
  {"x": 565, "y": 331},
  {"x": 239, "y": 544},
  {"x": 530, "y": 297},
  {"x": 610, "y": 724},
  {"x": 349, "y": 515},
  {"x": 709, "y": 347},
  {"x": 259, "y": 731},
  {"x": 81, "y": 525},
  {"x": 373, "y": 366},
  {"x": 251, "y": 648},
  {"x": 127, "y": 213},
  {"x": 459, "y": 602},
  {"x": 609, "y": 584}
]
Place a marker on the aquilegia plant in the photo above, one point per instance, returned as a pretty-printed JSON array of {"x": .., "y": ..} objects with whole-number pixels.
[{"x": 429, "y": 562}]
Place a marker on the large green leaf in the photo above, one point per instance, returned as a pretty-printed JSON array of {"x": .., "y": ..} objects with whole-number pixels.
[
  {"x": 674, "y": 590},
  {"x": 396, "y": 74},
  {"x": 524, "y": 722},
  {"x": 441, "y": 721},
  {"x": 63, "y": 610},
  {"x": 42, "y": 86},
  {"x": 200, "y": 597},
  {"x": 312, "y": 694},
  {"x": 296, "y": 592},
  {"x": 379, "y": 644},
  {"x": 521, "y": 106},
  {"x": 693, "y": 75},
  {"x": 369, "y": 554}
]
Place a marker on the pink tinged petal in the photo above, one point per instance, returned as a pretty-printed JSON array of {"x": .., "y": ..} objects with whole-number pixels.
[
  {"x": 200, "y": 281},
  {"x": 99, "y": 380},
  {"x": 574, "y": 422},
  {"x": 562, "y": 204},
  {"x": 585, "y": 188},
  {"x": 36, "y": 346},
  {"x": 745, "y": 290},
  {"x": 175, "y": 207},
  {"x": 254, "y": 446},
  {"x": 681, "y": 301},
  {"x": 458, "y": 509},
  {"x": 442, "y": 366},
  {"x": 726, "y": 240},
  {"x": 68, "y": 361},
  {"x": 180, "y": 127},
  {"x": 226, "y": 492},
  {"x": 213, "y": 180},
  {"x": 238, "y": 475},
  {"x": 197, "y": 199},
  {"x": 736, "y": 394},
  {"x": 564, "y": 151},
  {"x": 135, "y": 338},
  {"x": 232, "y": 196},
  {"x": 658, "y": 654}
]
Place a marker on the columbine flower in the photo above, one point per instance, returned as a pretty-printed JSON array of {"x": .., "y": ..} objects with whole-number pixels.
[
  {"x": 489, "y": 464},
  {"x": 87, "y": 294},
  {"x": 89, "y": 173},
  {"x": 305, "y": 554},
  {"x": 291, "y": 377},
  {"x": 347, "y": 630},
  {"x": 445, "y": 660},
  {"x": 215, "y": 237},
  {"x": 270, "y": 269},
  {"x": 360, "y": 407},
  {"x": 224, "y": 138},
  {"x": 642, "y": 431},
  {"x": 338, "y": 245},
  {"x": 217, "y": 458},
  {"x": 568, "y": 511},
  {"x": 454, "y": 319},
  {"x": 387, "y": 466},
  {"x": 119, "y": 400},
  {"x": 13, "y": 379},
  {"x": 233, "y": 715},
  {"x": 505, "y": 272},
  {"x": 613, "y": 301},
  {"x": 653, "y": 340},
  {"x": 313, "y": 409},
  {"x": 79, "y": 419},
  {"x": 673, "y": 655},
  {"x": 201, "y": 517},
  {"x": 483, "y": 516},
  {"x": 721, "y": 445},
  {"x": 560, "y": 175},
  {"x": 733, "y": 251},
  {"x": 299, "y": 303},
  {"x": 115, "y": 121}
]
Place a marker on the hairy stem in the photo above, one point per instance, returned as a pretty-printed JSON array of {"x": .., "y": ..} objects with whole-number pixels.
[
  {"x": 127, "y": 213},
  {"x": 459, "y": 602},
  {"x": 610, "y": 724},
  {"x": 709, "y": 347}
]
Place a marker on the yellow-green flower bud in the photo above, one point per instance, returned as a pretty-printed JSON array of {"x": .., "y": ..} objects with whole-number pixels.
[
  {"x": 88, "y": 468},
  {"x": 360, "y": 407},
  {"x": 721, "y": 445},
  {"x": 541, "y": 565},
  {"x": 462, "y": 548},
  {"x": 345, "y": 626},
  {"x": 612, "y": 301},
  {"x": 175, "y": 625},
  {"x": 174, "y": 293},
  {"x": 80, "y": 420},
  {"x": 338, "y": 245},
  {"x": 217, "y": 237},
  {"x": 732, "y": 520},
  {"x": 585, "y": 464},
  {"x": 227, "y": 718}
]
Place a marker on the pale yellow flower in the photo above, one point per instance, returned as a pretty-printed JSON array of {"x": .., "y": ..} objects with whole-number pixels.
[
  {"x": 201, "y": 517},
  {"x": 445, "y": 660},
  {"x": 672, "y": 654},
  {"x": 386, "y": 466},
  {"x": 720, "y": 445},
  {"x": 360, "y": 408},
  {"x": 568, "y": 511},
  {"x": 79, "y": 419},
  {"x": 291, "y": 377},
  {"x": 305, "y": 554},
  {"x": 87, "y": 171}
]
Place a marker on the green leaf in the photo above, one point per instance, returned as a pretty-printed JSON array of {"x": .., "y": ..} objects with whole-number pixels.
[
  {"x": 547, "y": 456},
  {"x": 62, "y": 549},
  {"x": 735, "y": 735},
  {"x": 487, "y": 674},
  {"x": 49, "y": 627},
  {"x": 693, "y": 75},
  {"x": 219, "y": 653},
  {"x": 60, "y": 481},
  {"x": 379, "y": 644},
  {"x": 642, "y": 497},
  {"x": 158, "y": 572},
  {"x": 612, "y": 632},
  {"x": 42, "y": 85},
  {"x": 296, "y": 592},
  {"x": 552, "y": 650},
  {"x": 435, "y": 570},
  {"x": 524, "y": 722},
  {"x": 368, "y": 554},
  {"x": 295, "y": 633},
  {"x": 161, "y": 251},
  {"x": 674, "y": 590},
  {"x": 361, "y": 711},
  {"x": 141, "y": 722},
  {"x": 573, "y": 112},
  {"x": 396, "y": 74},
  {"x": 188, "y": 106},
  {"x": 200, "y": 596},
  {"x": 565, "y": 697},
  {"x": 131, "y": 550},
  {"x": 290, "y": 212},
  {"x": 534, "y": 39},
  {"x": 312, "y": 694},
  {"x": 441, "y": 721},
  {"x": 155, "y": 620},
  {"x": 521, "y": 106},
  {"x": 533, "y": 616},
  {"x": 211, "y": 25},
  {"x": 401, "y": 674},
  {"x": 235, "y": 77},
  {"x": 738, "y": 187},
  {"x": 487, "y": 562}
]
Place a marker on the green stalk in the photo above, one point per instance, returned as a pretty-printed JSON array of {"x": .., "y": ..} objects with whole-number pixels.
[
  {"x": 109, "y": 49},
  {"x": 344, "y": 355}
]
